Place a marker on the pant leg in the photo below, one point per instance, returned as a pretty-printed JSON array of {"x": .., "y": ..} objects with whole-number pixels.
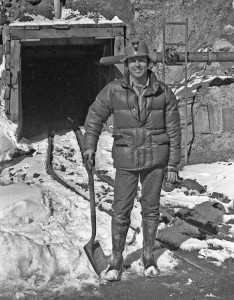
[
  {"x": 125, "y": 190},
  {"x": 151, "y": 181}
]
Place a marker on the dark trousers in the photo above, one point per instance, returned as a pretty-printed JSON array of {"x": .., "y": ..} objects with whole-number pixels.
[{"x": 125, "y": 191}]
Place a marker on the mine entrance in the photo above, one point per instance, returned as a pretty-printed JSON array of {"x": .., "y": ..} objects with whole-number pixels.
[
  {"x": 53, "y": 71},
  {"x": 58, "y": 82}
]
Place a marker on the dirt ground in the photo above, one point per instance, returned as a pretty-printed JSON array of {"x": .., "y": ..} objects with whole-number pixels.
[{"x": 196, "y": 280}]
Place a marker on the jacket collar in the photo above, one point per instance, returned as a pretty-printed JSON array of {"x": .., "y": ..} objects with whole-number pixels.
[{"x": 152, "y": 88}]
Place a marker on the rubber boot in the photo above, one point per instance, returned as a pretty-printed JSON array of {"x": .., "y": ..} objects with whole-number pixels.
[
  {"x": 119, "y": 234},
  {"x": 149, "y": 236}
]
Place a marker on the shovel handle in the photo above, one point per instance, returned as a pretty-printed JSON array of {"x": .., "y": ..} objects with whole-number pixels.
[
  {"x": 89, "y": 169},
  {"x": 92, "y": 199}
]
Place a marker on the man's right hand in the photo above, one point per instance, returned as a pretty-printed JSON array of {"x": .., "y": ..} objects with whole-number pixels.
[{"x": 89, "y": 156}]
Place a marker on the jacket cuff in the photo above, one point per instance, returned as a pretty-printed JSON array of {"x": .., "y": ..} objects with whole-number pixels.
[{"x": 171, "y": 168}]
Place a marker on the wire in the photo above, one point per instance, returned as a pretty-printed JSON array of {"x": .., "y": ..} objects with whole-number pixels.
[{"x": 126, "y": 8}]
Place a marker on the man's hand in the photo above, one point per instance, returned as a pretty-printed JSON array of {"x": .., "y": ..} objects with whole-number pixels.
[
  {"x": 89, "y": 156},
  {"x": 172, "y": 174}
]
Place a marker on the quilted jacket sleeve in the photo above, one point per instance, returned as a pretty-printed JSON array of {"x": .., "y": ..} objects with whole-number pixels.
[
  {"x": 98, "y": 113},
  {"x": 173, "y": 128}
]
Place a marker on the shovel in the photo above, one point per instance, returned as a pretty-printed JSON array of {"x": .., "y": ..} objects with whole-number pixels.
[{"x": 92, "y": 249}]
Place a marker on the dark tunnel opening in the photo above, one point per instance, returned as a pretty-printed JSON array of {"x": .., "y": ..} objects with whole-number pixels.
[{"x": 58, "y": 82}]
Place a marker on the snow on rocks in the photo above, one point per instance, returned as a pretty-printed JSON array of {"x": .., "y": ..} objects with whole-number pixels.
[
  {"x": 19, "y": 257},
  {"x": 68, "y": 16},
  {"x": 167, "y": 262},
  {"x": 151, "y": 272},
  {"x": 7, "y": 148},
  {"x": 20, "y": 203},
  {"x": 222, "y": 45},
  {"x": 193, "y": 244},
  {"x": 222, "y": 250}
]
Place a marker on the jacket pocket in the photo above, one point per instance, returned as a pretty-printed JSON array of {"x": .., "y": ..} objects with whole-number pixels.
[
  {"x": 122, "y": 140},
  {"x": 160, "y": 139}
]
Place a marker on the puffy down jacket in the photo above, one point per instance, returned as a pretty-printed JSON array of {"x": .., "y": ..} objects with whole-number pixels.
[{"x": 151, "y": 139}]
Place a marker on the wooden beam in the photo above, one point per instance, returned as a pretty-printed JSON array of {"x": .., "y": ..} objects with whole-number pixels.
[
  {"x": 14, "y": 105},
  {"x": 63, "y": 42},
  {"x": 66, "y": 25},
  {"x": 5, "y": 34},
  {"x": 119, "y": 50},
  {"x": 7, "y": 48},
  {"x": 7, "y": 61},
  {"x": 20, "y": 109},
  {"x": 19, "y": 34},
  {"x": 7, "y": 107},
  {"x": 7, "y": 92},
  {"x": 15, "y": 56},
  {"x": 8, "y": 77},
  {"x": 15, "y": 65}
]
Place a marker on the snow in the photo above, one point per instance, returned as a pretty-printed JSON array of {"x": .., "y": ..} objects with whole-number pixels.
[
  {"x": 53, "y": 245},
  {"x": 68, "y": 229},
  {"x": 68, "y": 16},
  {"x": 193, "y": 244}
]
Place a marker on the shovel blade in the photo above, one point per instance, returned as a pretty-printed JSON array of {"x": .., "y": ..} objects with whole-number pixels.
[{"x": 96, "y": 256}]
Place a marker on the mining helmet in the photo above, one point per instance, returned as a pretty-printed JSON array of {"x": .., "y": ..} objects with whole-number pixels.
[{"x": 135, "y": 48}]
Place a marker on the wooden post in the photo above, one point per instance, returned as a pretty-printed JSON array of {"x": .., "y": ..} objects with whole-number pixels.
[
  {"x": 6, "y": 75},
  {"x": 15, "y": 67},
  {"x": 118, "y": 50},
  {"x": 57, "y": 9}
]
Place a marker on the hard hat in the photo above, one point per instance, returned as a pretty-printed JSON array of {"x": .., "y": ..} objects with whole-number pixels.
[{"x": 135, "y": 48}]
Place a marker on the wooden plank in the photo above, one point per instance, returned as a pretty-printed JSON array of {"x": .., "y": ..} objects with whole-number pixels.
[
  {"x": 8, "y": 77},
  {"x": 119, "y": 50},
  {"x": 61, "y": 26},
  {"x": 215, "y": 118},
  {"x": 118, "y": 25},
  {"x": 71, "y": 33},
  {"x": 15, "y": 65},
  {"x": 30, "y": 27},
  {"x": 15, "y": 56},
  {"x": 3, "y": 79},
  {"x": 7, "y": 92},
  {"x": 93, "y": 25},
  {"x": 5, "y": 34},
  {"x": 7, "y": 47},
  {"x": 20, "y": 109},
  {"x": 78, "y": 25},
  {"x": 201, "y": 120},
  {"x": 102, "y": 25},
  {"x": 14, "y": 104},
  {"x": 7, "y": 61},
  {"x": 19, "y": 27},
  {"x": 7, "y": 107},
  {"x": 228, "y": 119},
  {"x": 71, "y": 25},
  {"x": 67, "y": 41},
  {"x": 14, "y": 80}
]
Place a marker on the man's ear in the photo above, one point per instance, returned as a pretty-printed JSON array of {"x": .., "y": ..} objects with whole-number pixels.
[{"x": 150, "y": 63}]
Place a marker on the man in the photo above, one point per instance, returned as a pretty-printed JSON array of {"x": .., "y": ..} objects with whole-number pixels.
[{"x": 147, "y": 140}]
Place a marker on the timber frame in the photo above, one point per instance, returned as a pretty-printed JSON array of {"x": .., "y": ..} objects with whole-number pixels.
[{"x": 16, "y": 36}]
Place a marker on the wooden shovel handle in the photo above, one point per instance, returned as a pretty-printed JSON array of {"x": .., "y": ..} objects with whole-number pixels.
[{"x": 89, "y": 169}]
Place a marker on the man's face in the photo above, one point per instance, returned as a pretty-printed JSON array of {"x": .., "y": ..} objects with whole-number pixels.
[{"x": 137, "y": 66}]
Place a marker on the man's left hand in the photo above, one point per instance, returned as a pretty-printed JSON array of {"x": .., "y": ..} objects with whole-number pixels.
[{"x": 172, "y": 175}]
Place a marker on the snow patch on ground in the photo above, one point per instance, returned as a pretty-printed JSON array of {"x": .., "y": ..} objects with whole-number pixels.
[{"x": 55, "y": 245}]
